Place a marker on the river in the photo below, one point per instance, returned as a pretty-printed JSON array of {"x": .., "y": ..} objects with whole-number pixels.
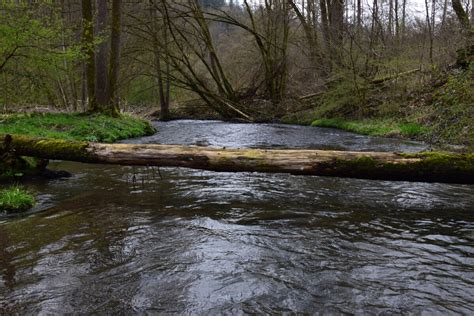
[{"x": 121, "y": 240}]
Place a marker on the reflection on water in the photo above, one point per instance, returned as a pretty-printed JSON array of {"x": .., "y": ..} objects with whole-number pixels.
[
  {"x": 221, "y": 134},
  {"x": 133, "y": 240}
]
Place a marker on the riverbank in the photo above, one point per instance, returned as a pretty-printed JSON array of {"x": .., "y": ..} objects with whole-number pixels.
[
  {"x": 75, "y": 126},
  {"x": 69, "y": 126},
  {"x": 139, "y": 230},
  {"x": 430, "y": 106},
  {"x": 387, "y": 128},
  {"x": 440, "y": 112}
]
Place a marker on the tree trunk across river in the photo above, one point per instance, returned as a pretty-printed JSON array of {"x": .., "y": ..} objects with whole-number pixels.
[{"x": 426, "y": 166}]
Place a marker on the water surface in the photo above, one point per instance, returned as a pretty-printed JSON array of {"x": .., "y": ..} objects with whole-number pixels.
[{"x": 146, "y": 240}]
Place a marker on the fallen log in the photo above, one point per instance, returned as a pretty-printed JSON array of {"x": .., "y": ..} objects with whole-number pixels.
[
  {"x": 427, "y": 166},
  {"x": 395, "y": 76}
]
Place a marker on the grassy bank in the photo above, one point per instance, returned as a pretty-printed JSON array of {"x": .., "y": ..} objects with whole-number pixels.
[
  {"x": 375, "y": 127},
  {"x": 440, "y": 111},
  {"x": 15, "y": 199},
  {"x": 95, "y": 128}
]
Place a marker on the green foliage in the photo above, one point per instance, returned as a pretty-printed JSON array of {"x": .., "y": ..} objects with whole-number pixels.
[
  {"x": 373, "y": 127},
  {"x": 36, "y": 49},
  {"x": 15, "y": 199},
  {"x": 95, "y": 128},
  {"x": 411, "y": 129}
]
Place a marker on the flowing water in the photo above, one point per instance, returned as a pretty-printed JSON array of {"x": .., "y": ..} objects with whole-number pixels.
[{"x": 123, "y": 240}]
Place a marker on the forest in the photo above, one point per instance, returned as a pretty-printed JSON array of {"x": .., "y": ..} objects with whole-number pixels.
[
  {"x": 381, "y": 67},
  {"x": 236, "y": 156}
]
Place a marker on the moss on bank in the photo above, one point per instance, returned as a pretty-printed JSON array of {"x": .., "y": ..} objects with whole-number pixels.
[
  {"x": 15, "y": 199},
  {"x": 63, "y": 126},
  {"x": 95, "y": 128}
]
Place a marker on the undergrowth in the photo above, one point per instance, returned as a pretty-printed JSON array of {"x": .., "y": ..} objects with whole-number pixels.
[
  {"x": 451, "y": 112},
  {"x": 439, "y": 111}
]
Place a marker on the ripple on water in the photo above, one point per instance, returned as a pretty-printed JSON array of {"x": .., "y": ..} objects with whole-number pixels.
[{"x": 135, "y": 240}]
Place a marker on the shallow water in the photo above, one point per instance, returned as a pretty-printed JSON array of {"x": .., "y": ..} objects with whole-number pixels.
[{"x": 124, "y": 240}]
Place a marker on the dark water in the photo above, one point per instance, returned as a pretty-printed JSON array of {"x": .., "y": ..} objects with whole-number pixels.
[{"x": 124, "y": 240}]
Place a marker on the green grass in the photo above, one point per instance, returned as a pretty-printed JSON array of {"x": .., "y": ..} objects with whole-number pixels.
[
  {"x": 95, "y": 128},
  {"x": 15, "y": 199},
  {"x": 411, "y": 129},
  {"x": 373, "y": 127}
]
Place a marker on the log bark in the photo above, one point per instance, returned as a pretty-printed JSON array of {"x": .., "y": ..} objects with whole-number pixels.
[{"x": 427, "y": 167}]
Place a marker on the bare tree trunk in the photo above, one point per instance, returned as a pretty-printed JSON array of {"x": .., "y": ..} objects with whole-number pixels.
[
  {"x": 337, "y": 24},
  {"x": 390, "y": 18},
  {"x": 310, "y": 31},
  {"x": 461, "y": 15},
  {"x": 466, "y": 54},
  {"x": 102, "y": 54},
  {"x": 397, "y": 22},
  {"x": 273, "y": 45},
  {"x": 472, "y": 10},
  {"x": 325, "y": 24},
  {"x": 359, "y": 14},
  {"x": 84, "y": 86},
  {"x": 429, "y": 24},
  {"x": 114, "y": 65},
  {"x": 445, "y": 13},
  {"x": 88, "y": 48},
  {"x": 162, "y": 90},
  {"x": 404, "y": 16}
]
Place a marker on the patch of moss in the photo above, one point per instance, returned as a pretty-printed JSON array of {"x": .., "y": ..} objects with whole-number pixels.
[
  {"x": 15, "y": 199},
  {"x": 446, "y": 160},
  {"x": 75, "y": 126},
  {"x": 427, "y": 167},
  {"x": 57, "y": 127},
  {"x": 54, "y": 148}
]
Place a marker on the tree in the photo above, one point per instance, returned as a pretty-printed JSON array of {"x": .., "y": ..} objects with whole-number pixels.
[
  {"x": 272, "y": 38},
  {"x": 36, "y": 51},
  {"x": 89, "y": 53},
  {"x": 112, "y": 105},
  {"x": 100, "y": 82},
  {"x": 162, "y": 75},
  {"x": 465, "y": 54},
  {"x": 101, "y": 58}
]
